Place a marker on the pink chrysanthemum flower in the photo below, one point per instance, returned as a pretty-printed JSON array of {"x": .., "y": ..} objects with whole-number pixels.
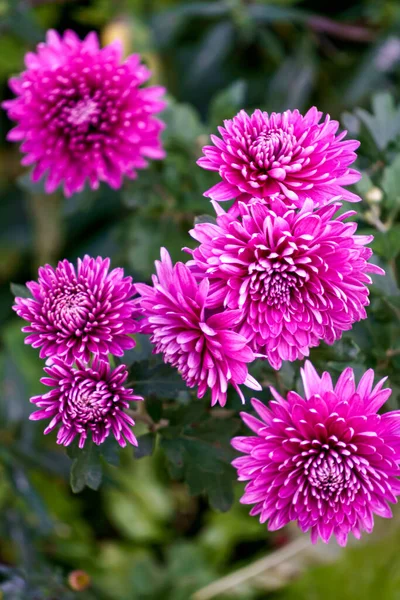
[
  {"x": 288, "y": 155},
  {"x": 298, "y": 276},
  {"x": 327, "y": 461},
  {"x": 81, "y": 113},
  {"x": 198, "y": 342},
  {"x": 86, "y": 399},
  {"x": 76, "y": 313}
]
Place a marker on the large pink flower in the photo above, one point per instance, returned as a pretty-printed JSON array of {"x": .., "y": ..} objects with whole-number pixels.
[
  {"x": 198, "y": 342},
  {"x": 86, "y": 400},
  {"x": 327, "y": 461},
  {"x": 81, "y": 113},
  {"x": 298, "y": 276},
  {"x": 76, "y": 313},
  {"x": 288, "y": 155}
]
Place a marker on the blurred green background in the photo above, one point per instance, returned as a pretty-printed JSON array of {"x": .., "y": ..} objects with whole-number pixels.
[{"x": 150, "y": 532}]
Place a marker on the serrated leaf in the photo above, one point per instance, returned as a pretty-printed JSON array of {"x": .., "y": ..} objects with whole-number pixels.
[
  {"x": 20, "y": 291},
  {"x": 86, "y": 469}
]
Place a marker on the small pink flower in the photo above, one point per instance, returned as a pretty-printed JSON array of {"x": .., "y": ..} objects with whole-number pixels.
[
  {"x": 287, "y": 156},
  {"x": 76, "y": 313},
  {"x": 82, "y": 115},
  {"x": 200, "y": 343},
  {"x": 327, "y": 461},
  {"x": 86, "y": 400},
  {"x": 297, "y": 276}
]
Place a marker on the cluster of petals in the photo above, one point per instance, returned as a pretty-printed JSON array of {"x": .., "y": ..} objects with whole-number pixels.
[
  {"x": 282, "y": 155},
  {"x": 81, "y": 113},
  {"x": 86, "y": 399},
  {"x": 77, "y": 317},
  {"x": 199, "y": 342},
  {"x": 326, "y": 460},
  {"x": 76, "y": 313},
  {"x": 298, "y": 276}
]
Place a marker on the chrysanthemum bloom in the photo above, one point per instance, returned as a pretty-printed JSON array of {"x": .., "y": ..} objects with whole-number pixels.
[
  {"x": 327, "y": 461},
  {"x": 76, "y": 313},
  {"x": 82, "y": 115},
  {"x": 198, "y": 342},
  {"x": 288, "y": 155},
  {"x": 298, "y": 276},
  {"x": 86, "y": 400}
]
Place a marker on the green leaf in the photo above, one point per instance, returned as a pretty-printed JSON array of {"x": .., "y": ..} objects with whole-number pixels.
[
  {"x": 197, "y": 448},
  {"x": 20, "y": 291},
  {"x": 145, "y": 446},
  {"x": 228, "y": 102},
  {"x": 391, "y": 185},
  {"x": 183, "y": 123},
  {"x": 86, "y": 469},
  {"x": 384, "y": 122},
  {"x": 205, "y": 219},
  {"x": 387, "y": 244},
  {"x": 142, "y": 350},
  {"x": 160, "y": 380}
]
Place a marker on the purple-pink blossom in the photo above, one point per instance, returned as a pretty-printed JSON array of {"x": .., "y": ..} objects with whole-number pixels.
[
  {"x": 76, "y": 313},
  {"x": 86, "y": 400},
  {"x": 282, "y": 155},
  {"x": 199, "y": 342},
  {"x": 298, "y": 276},
  {"x": 82, "y": 115},
  {"x": 326, "y": 460}
]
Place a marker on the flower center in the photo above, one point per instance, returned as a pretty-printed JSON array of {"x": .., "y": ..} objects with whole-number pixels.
[
  {"x": 83, "y": 112},
  {"x": 271, "y": 284},
  {"x": 89, "y": 402},
  {"x": 69, "y": 307},
  {"x": 273, "y": 146}
]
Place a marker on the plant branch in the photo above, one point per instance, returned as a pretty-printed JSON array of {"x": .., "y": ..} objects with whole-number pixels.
[
  {"x": 142, "y": 416},
  {"x": 235, "y": 579}
]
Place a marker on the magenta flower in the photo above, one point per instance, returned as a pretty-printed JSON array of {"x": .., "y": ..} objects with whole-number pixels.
[
  {"x": 76, "y": 313},
  {"x": 198, "y": 342},
  {"x": 81, "y": 113},
  {"x": 287, "y": 156},
  {"x": 327, "y": 461},
  {"x": 86, "y": 399},
  {"x": 297, "y": 276}
]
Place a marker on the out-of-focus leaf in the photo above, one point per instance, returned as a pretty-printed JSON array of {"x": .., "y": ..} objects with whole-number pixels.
[
  {"x": 145, "y": 445},
  {"x": 20, "y": 290},
  {"x": 391, "y": 185},
  {"x": 292, "y": 83},
  {"x": 205, "y": 219},
  {"x": 197, "y": 446},
  {"x": 142, "y": 350},
  {"x": 160, "y": 380},
  {"x": 227, "y": 103},
  {"x": 214, "y": 48},
  {"x": 167, "y": 24},
  {"x": 183, "y": 123},
  {"x": 384, "y": 122},
  {"x": 86, "y": 469},
  {"x": 387, "y": 244},
  {"x": 271, "y": 13}
]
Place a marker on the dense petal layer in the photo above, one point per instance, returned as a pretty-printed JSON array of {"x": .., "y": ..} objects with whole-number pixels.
[{"x": 327, "y": 461}]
